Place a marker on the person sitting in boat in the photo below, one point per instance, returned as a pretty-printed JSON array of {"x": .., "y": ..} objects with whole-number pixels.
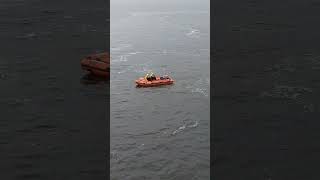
[
  {"x": 153, "y": 77},
  {"x": 148, "y": 77}
]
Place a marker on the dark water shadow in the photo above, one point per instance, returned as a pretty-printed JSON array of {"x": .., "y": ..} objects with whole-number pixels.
[{"x": 91, "y": 79}]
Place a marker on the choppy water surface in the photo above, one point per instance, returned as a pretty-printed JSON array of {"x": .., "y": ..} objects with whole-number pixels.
[
  {"x": 160, "y": 132},
  {"x": 52, "y": 123},
  {"x": 266, "y": 100}
]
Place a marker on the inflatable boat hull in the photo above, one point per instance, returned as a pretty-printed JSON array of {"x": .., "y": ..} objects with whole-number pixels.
[
  {"x": 141, "y": 82},
  {"x": 97, "y": 65}
]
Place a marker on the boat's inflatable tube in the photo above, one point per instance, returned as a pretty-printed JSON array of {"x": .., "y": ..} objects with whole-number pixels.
[{"x": 97, "y": 64}]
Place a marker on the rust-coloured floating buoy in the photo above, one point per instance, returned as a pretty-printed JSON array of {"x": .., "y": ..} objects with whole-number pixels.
[{"x": 97, "y": 64}]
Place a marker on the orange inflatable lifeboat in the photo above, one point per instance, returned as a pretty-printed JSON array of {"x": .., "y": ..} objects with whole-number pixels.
[
  {"x": 158, "y": 81},
  {"x": 97, "y": 64}
]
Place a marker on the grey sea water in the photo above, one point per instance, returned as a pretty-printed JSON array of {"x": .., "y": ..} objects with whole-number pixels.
[
  {"x": 160, "y": 132},
  {"x": 266, "y": 89},
  {"x": 53, "y": 121}
]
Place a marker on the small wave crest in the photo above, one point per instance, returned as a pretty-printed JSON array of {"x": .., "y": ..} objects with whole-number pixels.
[
  {"x": 167, "y": 13},
  {"x": 134, "y": 53},
  {"x": 124, "y": 57},
  {"x": 193, "y": 33},
  {"x": 120, "y": 47},
  {"x": 200, "y": 86},
  {"x": 114, "y": 155},
  {"x": 121, "y": 58},
  {"x": 184, "y": 127}
]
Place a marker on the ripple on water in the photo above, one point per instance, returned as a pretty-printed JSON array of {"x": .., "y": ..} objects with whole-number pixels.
[
  {"x": 286, "y": 92},
  {"x": 185, "y": 126},
  {"x": 193, "y": 33},
  {"x": 121, "y": 58},
  {"x": 120, "y": 47},
  {"x": 199, "y": 86},
  {"x": 146, "y": 145}
]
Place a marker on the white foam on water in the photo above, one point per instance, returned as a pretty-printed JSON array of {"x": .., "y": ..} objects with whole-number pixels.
[
  {"x": 199, "y": 86},
  {"x": 193, "y": 125},
  {"x": 200, "y": 90},
  {"x": 181, "y": 128},
  {"x": 166, "y": 13},
  {"x": 134, "y": 53},
  {"x": 193, "y": 33},
  {"x": 120, "y": 47},
  {"x": 184, "y": 127},
  {"x": 120, "y": 72},
  {"x": 114, "y": 155},
  {"x": 121, "y": 58},
  {"x": 142, "y": 68}
]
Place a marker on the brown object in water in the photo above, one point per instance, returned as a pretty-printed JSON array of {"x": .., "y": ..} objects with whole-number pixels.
[{"x": 97, "y": 64}]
